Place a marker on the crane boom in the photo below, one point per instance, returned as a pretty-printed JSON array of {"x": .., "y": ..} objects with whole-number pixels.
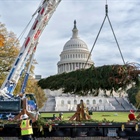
[
  {"x": 45, "y": 11},
  {"x": 22, "y": 91}
]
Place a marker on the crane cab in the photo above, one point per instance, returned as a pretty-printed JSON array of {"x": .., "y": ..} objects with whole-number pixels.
[{"x": 31, "y": 102}]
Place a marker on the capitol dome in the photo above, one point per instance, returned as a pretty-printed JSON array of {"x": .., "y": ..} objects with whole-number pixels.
[
  {"x": 75, "y": 54},
  {"x": 75, "y": 43}
]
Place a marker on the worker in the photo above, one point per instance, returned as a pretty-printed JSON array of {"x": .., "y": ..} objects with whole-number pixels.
[
  {"x": 131, "y": 115},
  {"x": 26, "y": 127},
  {"x": 61, "y": 116},
  {"x": 26, "y": 119}
]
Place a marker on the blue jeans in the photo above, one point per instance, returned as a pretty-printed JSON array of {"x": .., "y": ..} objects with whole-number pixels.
[{"x": 26, "y": 137}]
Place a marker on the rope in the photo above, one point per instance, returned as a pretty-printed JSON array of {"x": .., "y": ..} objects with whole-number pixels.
[
  {"x": 106, "y": 16},
  {"x": 95, "y": 41},
  {"x": 116, "y": 40},
  {"x": 23, "y": 32}
]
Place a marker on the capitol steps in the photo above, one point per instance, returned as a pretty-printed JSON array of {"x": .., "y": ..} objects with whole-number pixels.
[{"x": 49, "y": 104}]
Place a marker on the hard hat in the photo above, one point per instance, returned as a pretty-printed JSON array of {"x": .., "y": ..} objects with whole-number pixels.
[{"x": 25, "y": 116}]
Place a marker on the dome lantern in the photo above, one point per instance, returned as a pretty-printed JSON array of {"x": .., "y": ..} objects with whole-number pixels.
[{"x": 75, "y": 31}]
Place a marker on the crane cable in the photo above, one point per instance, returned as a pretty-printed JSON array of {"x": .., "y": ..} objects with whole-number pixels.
[
  {"x": 26, "y": 27},
  {"x": 106, "y": 16}
]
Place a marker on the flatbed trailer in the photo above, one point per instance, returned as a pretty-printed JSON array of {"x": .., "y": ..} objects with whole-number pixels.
[{"x": 129, "y": 130}]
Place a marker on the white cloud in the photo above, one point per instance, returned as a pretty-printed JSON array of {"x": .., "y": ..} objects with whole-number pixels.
[{"x": 124, "y": 17}]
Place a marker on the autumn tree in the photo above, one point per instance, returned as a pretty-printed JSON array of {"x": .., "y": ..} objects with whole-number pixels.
[
  {"x": 34, "y": 88},
  {"x": 9, "y": 49}
]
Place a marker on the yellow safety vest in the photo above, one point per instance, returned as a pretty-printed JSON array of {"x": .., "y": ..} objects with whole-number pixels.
[{"x": 26, "y": 128}]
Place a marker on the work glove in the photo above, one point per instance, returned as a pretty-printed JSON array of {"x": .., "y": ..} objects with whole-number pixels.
[{"x": 37, "y": 113}]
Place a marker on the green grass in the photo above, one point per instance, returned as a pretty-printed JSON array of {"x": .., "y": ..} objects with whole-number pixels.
[{"x": 99, "y": 116}]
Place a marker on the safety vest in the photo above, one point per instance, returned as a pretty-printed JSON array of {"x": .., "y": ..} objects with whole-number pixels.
[{"x": 26, "y": 128}]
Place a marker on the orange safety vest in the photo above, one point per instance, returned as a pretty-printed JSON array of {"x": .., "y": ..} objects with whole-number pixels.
[{"x": 26, "y": 128}]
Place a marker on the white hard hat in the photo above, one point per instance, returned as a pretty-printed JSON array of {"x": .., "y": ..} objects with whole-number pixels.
[{"x": 25, "y": 116}]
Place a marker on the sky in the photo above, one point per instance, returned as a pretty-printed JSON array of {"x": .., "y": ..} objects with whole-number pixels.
[{"x": 89, "y": 15}]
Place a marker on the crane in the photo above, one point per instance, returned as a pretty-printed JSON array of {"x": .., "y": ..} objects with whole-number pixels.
[{"x": 44, "y": 13}]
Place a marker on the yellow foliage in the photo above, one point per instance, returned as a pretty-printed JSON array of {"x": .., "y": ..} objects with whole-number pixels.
[
  {"x": 9, "y": 49},
  {"x": 32, "y": 87},
  {"x": 2, "y": 39}
]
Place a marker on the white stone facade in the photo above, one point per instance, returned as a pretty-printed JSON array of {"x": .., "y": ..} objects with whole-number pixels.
[{"x": 69, "y": 103}]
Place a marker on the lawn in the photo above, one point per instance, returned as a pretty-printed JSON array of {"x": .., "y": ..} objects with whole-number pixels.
[{"x": 99, "y": 116}]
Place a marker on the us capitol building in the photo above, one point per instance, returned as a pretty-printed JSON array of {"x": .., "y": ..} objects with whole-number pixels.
[{"x": 74, "y": 56}]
